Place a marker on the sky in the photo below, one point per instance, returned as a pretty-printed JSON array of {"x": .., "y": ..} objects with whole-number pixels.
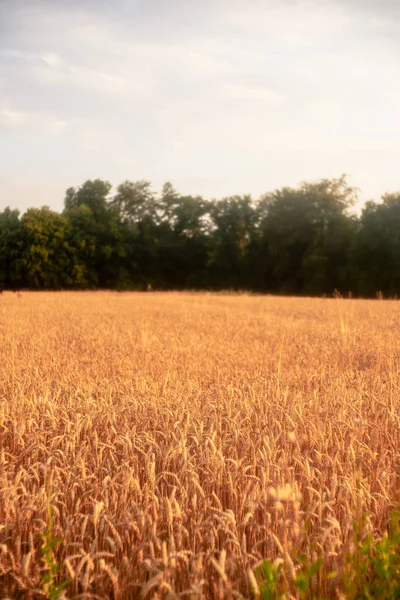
[{"x": 220, "y": 97}]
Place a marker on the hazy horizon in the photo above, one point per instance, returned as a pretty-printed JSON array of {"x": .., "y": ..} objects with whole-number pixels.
[{"x": 220, "y": 98}]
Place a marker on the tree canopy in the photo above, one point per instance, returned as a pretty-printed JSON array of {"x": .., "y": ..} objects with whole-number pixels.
[{"x": 303, "y": 240}]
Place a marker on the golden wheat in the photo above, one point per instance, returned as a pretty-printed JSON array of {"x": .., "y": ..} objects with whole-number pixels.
[{"x": 175, "y": 440}]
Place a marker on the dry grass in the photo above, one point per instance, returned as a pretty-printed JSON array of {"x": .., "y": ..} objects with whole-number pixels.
[{"x": 178, "y": 439}]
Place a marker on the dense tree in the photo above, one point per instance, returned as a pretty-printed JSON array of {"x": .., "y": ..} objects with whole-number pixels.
[
  {"x": 182, "y": 240},
  {"x": 136, "y": 202},
  {"x": 378, "y": 247},
  {"x": 304, "y": 240},
  {"x": 11, "y": 247},
  {"x": 93, "y": 194},
  {"x": 138, "y": 209},
  {"x": 306, "y": 235},
  {"x": 45, "y": 253},
  {"x": 233, "y": 232},
  {"x": 95, "y": 234}
]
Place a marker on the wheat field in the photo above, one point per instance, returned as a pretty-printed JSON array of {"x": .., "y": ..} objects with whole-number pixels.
[{"x": 170, "y": 442}]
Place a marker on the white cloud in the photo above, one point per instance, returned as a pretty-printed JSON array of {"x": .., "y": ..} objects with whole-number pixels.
[
  {"x": 178, "y": 145},
  {"x": 57, "y": 126},
  {"x": 302, "y": 24},
  {"x": 11, "y": 118},
  {"x": 30, "y": 123},
  {"x": 94, "y": 137},
  {"x": 244, "y": 94},
  {"x": 88, "y": 78},
  {"x": 51, "y": 59},
  {"x": 52, "y": 69}
]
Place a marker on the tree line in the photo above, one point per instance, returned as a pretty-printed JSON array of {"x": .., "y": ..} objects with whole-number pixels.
[{"x": 306, "y": 240}]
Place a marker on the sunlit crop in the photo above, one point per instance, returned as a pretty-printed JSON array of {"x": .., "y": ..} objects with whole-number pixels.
[{"x": 164, "y": 445}]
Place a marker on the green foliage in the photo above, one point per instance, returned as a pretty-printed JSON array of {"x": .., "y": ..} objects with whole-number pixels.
[
  {"x": 233, "y": 233},
  {"x": 51, "y": 588},
  {"x": 307, "y": 235},
  {"x": 378, "y": 247},
  {"x": 305, "y": 576},
  {"x": 50, "y": 578},
  {"x": 268, "y": 576},
  {"x": 46, "y": 256},
  {"x": 303, "y": 240},
  {"x": 370, "y": 570},
  {"x": 11, "y": 248},
  {"x": 136, "y": 202},
  {"x": 273, "y": 586},
  {"x": 92, "y": 194}
]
